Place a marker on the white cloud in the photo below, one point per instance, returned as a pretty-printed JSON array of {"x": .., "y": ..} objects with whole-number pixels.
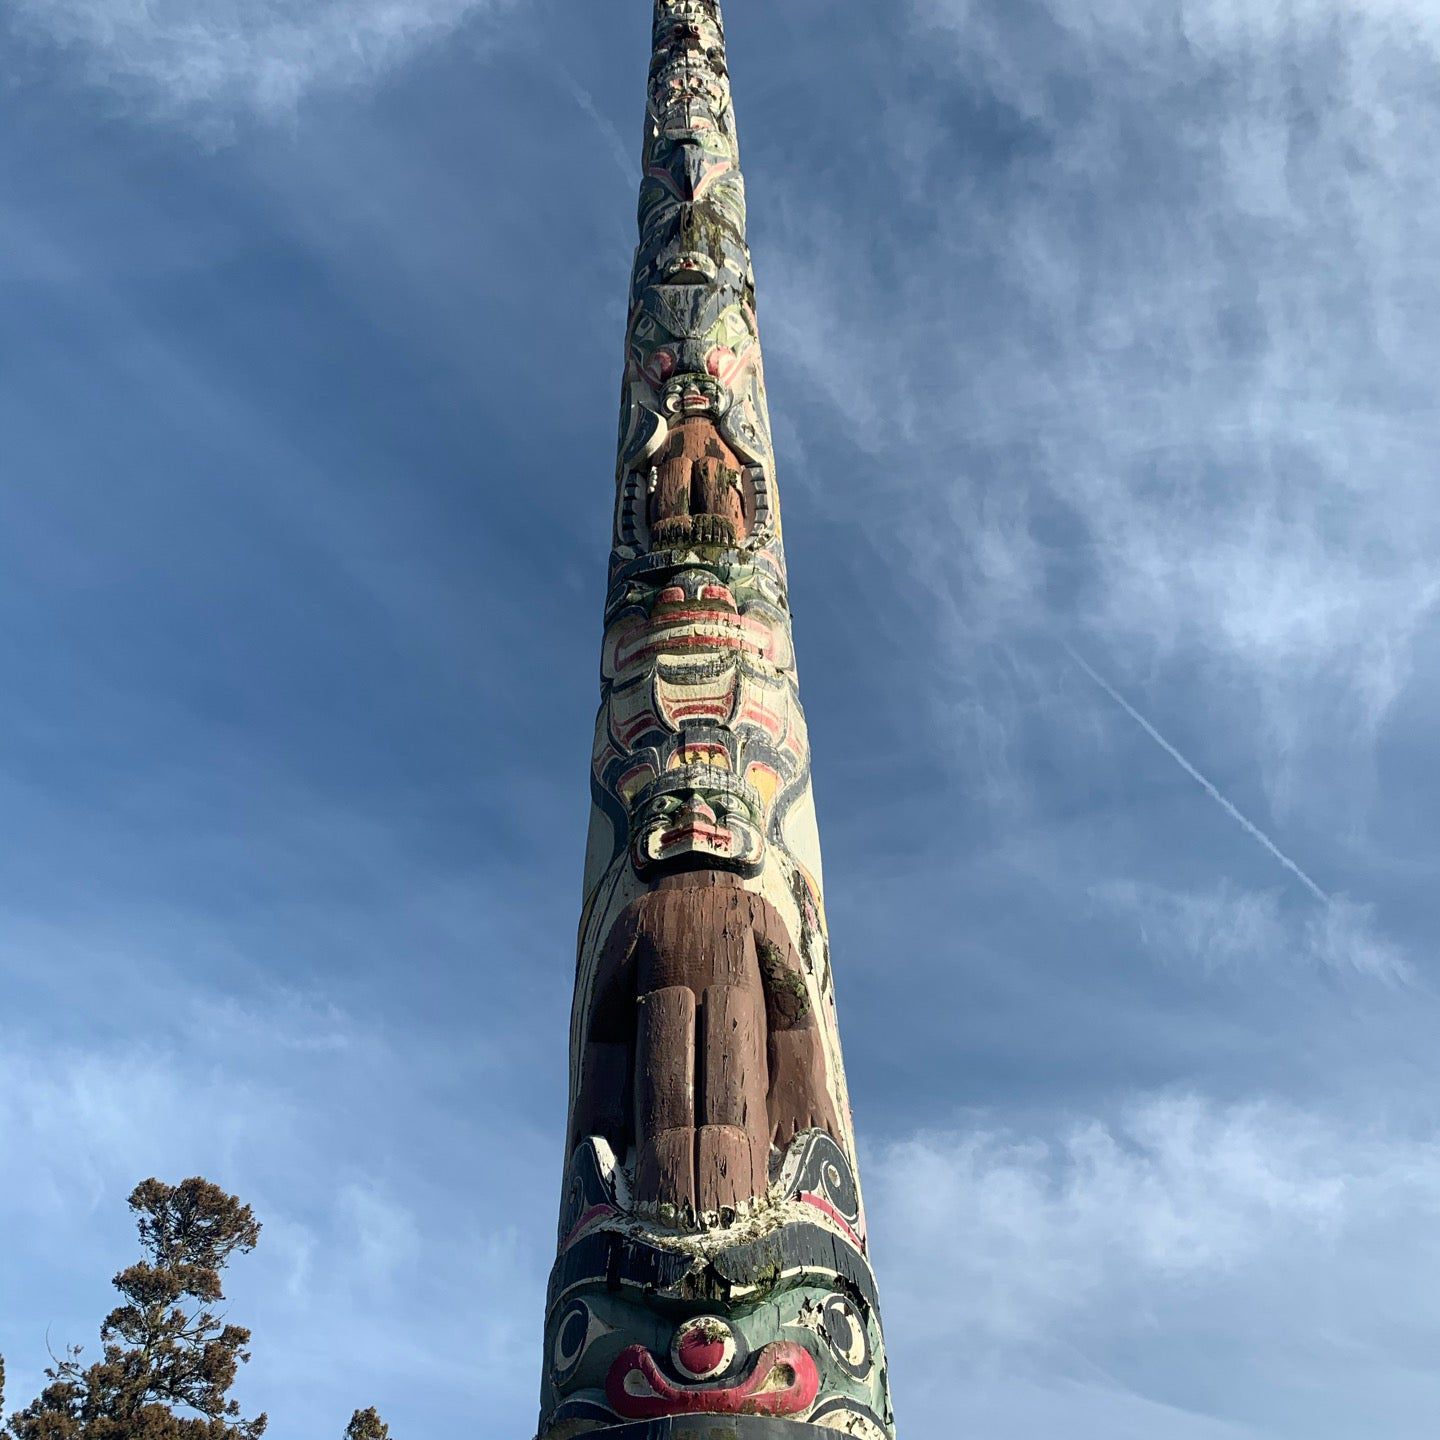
[
  {"x": 1157, "y": 377},
  {"x": 1345, "y": 933},
  {"x": 1229, "y": 929},
  {"x": 367, "y": 1274},
  {"x": 383, "y": 1231},
  {"x": 1008, "y": 1405},
  {"x": 209, "y": 61},
  {"x": 1077, "y": 1265},
  {"x": 1178, "y": 1190}
]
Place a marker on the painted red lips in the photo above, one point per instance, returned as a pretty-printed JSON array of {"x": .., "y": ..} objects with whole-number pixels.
[
  {"x": 697, "y": 831},
  {"x": 783, "y": 1381}
]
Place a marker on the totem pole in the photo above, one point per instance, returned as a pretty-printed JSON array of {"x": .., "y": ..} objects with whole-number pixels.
[{"x": 712, "y": 1280}]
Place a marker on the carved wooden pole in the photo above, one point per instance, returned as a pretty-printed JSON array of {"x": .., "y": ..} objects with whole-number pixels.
[{"x": 712, "y": 1279}]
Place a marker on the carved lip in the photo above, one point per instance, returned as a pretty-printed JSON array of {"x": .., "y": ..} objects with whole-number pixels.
[
  {"x": 697, "y": 833},
  {"x": 783, "y": 1381},
  {"x": 696, "y": 631},
  {"x": 675, "y": 641}
]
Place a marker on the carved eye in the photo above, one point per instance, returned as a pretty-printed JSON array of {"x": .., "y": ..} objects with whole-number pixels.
[
  {"x": 577, "y": 1332},
  {"x": 845, "y": 1331}
]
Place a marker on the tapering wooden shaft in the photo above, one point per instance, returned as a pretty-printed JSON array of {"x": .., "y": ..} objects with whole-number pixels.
[{"x": 712, "y": 1257}]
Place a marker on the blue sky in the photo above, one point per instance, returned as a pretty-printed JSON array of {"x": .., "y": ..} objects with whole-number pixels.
[{"x": 1097, "y": 336}]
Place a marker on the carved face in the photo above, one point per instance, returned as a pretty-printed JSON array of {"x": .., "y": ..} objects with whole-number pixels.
[
  {"x": 810, "y": 1354},
  {"x": 702, "y": 747},
  {"x": 698, "y": 817},
  {"x": 697, "y": 612},
  {"x": 662, "y": 210}
]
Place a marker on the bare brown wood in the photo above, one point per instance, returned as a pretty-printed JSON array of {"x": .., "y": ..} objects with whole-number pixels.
[
  {"x": 707, "y": 999},
  {"x": 665, "y": 1096}
]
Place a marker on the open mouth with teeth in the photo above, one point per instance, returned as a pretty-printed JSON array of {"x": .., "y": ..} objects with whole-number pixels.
[{"x": 695, "y": 835}]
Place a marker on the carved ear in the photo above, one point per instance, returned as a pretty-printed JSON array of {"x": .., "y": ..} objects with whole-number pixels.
[
  {"x": 648, "y": 433},
  {"x": 741, "y": 434},
  {"x": 646, "y": 438}
]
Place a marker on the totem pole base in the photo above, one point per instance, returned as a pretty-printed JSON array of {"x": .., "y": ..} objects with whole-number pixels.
[{"x": 716, "y": 1427}]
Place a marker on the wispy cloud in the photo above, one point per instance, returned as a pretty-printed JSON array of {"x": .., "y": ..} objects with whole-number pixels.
[
  {"x": 1087, "y": 1254},
  {"x": 1176, "y": 1189},
  {"x": 209, "y": 62},
  {"x": 1226, "y": 929},
  {"x": 1143, "y": 346},
  {"x": 1108, "y": 322},
  {"x": 622, "y": 154}
]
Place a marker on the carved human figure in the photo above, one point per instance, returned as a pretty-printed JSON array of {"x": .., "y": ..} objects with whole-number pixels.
[
  {"x": 697, "y": 489},
  {"x": 702, "y": 1048}
]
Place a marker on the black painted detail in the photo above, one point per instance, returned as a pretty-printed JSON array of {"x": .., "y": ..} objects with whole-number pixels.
[
  {"x": 612, "y": 1261},
  {"x": 586, "y": 1187},
  {"x": 847, "y": 1407},
  {"x": 715, "y": 1427},
  {"x": 816, "y": 1165}
]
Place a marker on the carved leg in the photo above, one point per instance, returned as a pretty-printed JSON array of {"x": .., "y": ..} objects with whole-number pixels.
[
  {"x": 732, "y": 1161},
  {"x": 799, "y": 1096},
  {"x": 665, "y": 1098},
  {"x": 671, "y": 499}
]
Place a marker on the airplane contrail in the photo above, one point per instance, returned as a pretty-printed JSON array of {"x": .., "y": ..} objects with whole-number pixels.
[{"x": 1249, "y": 825}]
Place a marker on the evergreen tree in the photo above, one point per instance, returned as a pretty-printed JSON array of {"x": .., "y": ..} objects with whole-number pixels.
[
  {"x": 168, "y": 1359},
  {"x": 367, "y": 1425}
]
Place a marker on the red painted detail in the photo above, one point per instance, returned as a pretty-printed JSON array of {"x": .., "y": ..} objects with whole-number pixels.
[
  {"x": 702, "y": 614},
  {"x": 767, "y": 720},
  {"x": 719, "y": 168},
  {"x": 699, "y": 1355},
  {"x": 719, "y": 360},
  {"x": 637, "y": 728},
  {"x": 783, "y": 1381},
  {"x": 715, "y": 710},
  {"x": 711, "y": 176},
  {"x": 724, "y": 632},
  {"x": 669, "y": 644},
  {"x": 658, "y": 369},
  {"x": 826, "y": 1208},
  {"x": 720, "y": 839},
  {"x": 596, "y": 1212}
]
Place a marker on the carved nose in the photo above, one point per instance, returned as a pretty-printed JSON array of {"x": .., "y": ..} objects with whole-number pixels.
[{"x": 696, "y": 809}]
